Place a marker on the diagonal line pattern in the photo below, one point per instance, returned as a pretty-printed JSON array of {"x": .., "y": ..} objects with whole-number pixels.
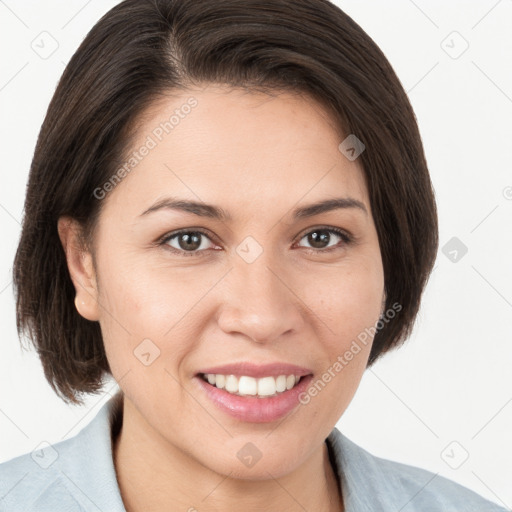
[
  {"x": 421, "y": 79},
  {"x": 492, "y": 81},
  {"x": 291, "y": 413},
  {"x": 504, "y": 298},
  {"x": 486, "y": 14},
  {"x": 301, "y": 300},
  {"x": 490, "y": 489},
  {"x": 405, "y": 504},
  {"x": 106, "y": 310},
  {"x": 14, "y": 423},
  {"x": 305, "y": 194},
  {"x": 14, "y": 14},
  {"x": 484, "y": 218},
  {"x": 9, "y": 213},
  {"x": 85, "y": 415},
  {"x": 424, "y": 14},
  {"x": 197, "y": 401},
  {"x": 5, "y": 85},
  {"x": 75, "y": 15},
  {"x": 185, "y": 185},
  {"x": 485, "y": 425},
  {"x": 190, "y": 309},
  {"x": 217, "y": 486},
  {"x": 287, "y": 492},
  {"x": 19, "y": 481},
  {"x": 5, "y": 287},
  {"x": 410, "y": 409},
  {"x": 83, "y": 493}
]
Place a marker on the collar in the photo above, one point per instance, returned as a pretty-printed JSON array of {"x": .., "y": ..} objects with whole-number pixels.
[
  {"x": 354, "y": 468},
  {"x": 98, "y": 481},
  {"x": 82, "y": 477}
]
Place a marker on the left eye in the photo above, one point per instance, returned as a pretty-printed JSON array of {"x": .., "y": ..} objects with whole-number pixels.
[{"x": 318, "y": 237}]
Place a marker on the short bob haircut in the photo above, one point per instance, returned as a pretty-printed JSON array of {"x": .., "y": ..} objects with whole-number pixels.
[{"x": 140, "y": 51}]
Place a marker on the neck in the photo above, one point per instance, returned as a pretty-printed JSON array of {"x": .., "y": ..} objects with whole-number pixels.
[{"x": 155, "y": 475}]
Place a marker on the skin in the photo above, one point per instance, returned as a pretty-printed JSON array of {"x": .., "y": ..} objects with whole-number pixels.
[{"x": 258, "y": 157}]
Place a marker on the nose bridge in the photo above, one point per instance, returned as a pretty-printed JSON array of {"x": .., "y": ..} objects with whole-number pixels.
[{"x": 259, "y": 302}]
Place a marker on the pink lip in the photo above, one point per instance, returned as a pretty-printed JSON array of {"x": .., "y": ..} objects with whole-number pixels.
[
  {"x": 251, "y": 408},
  {"x": 256, "y": 371}
]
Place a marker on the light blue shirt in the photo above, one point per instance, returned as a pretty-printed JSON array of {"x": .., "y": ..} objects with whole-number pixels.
[{"x": 78, "y": 475}]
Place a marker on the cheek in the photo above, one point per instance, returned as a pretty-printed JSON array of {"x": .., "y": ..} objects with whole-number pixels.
[
  {"x": 349, "y": 301},
  {"x": 143, "y": 337},
  {"x": 141, "y": 298},
  {"x": 141, "y": 302},
  {"x": 348, "y": 307}
]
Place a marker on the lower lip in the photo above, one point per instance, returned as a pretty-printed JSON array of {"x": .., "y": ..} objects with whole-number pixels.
[{"x": 253, "y": 409}]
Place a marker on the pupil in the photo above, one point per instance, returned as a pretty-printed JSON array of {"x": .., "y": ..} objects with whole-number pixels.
[
  {"x": 317, "y": 240},
  {"x": 190, "y": 241}
]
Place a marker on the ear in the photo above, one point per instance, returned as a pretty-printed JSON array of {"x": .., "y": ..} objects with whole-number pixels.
[{"x": 81, "y": 268}]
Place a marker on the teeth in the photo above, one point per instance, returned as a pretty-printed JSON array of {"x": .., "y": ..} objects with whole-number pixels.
[
  {"x": 281, "y": 383},
  {"x": 266, "y": 386},
  {"x": 231, "y": 384},
  {"x": 219, "y": 381},
  {"x": 249, "y": 386}
]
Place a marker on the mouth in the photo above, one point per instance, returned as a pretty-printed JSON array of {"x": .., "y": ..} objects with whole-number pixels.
[
  {"x": 252, "y": 392},
  {"x": 245, "y": 385}
]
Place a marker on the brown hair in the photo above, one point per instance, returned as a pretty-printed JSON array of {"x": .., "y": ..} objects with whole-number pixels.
[{"x": 140, "y": 50}]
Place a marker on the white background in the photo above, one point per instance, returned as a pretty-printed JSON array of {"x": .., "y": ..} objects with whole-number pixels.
[{"x": 452, "y": 380}]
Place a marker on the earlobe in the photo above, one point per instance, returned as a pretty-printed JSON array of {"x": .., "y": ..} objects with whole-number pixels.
[{"x": 81, "y": 268}]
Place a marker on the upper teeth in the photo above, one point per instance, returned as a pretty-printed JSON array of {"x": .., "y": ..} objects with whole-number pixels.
[{"x": 266, "y": 386}]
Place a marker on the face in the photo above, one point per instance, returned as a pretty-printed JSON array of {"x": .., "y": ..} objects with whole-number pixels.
[{"x": 185, "y": 292}]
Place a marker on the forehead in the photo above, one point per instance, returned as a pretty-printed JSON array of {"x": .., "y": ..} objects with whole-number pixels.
[{"x": 247, "y": 150}]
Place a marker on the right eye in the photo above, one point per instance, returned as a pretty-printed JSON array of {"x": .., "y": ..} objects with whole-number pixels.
[{"x": 186, "y": 242}]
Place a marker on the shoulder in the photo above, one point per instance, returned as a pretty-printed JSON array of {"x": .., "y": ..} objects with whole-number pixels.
[
  {"x": 73, "y": 475},
  {"x": 370, "y": 482},
  {"x": 34, "y": 481}
]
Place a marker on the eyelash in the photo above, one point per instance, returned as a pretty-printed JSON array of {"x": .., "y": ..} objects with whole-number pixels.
[{"x": 346, "y": 238}]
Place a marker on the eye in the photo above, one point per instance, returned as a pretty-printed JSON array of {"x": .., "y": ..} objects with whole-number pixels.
[
  {"x": 186, "y": 242},
  {"x": 319, "y": 237},
  {"x": 189, "y": 242}
]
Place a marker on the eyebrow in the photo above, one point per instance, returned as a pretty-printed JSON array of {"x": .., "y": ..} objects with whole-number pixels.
[{"x": 216, "y": 212}]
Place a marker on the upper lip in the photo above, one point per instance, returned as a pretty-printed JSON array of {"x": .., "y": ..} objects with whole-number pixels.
[{"x": 257, "y": 370}]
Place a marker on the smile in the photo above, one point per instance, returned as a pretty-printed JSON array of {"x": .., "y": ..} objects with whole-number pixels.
[{"x": 251, "y": 386}]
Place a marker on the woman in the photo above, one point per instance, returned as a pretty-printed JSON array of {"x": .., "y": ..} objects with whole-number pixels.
[{"x": 230, "y": 212}]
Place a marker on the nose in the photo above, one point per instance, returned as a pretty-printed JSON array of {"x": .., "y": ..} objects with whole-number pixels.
[{"x": 259, "y": 302}]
